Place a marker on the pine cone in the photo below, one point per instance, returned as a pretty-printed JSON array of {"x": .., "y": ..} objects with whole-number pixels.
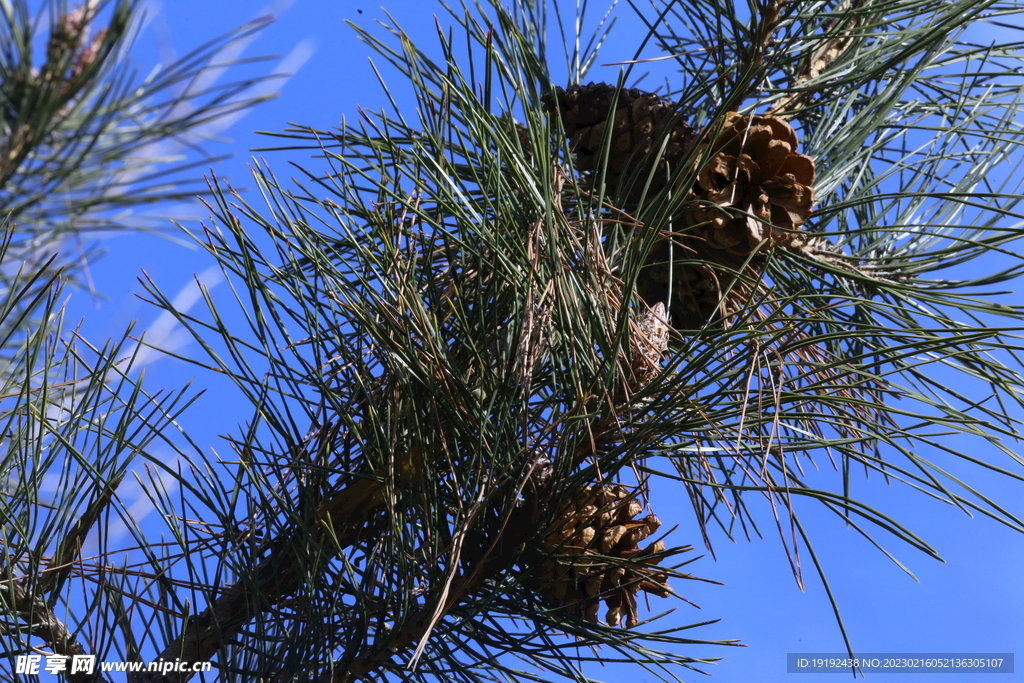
[
  {"x": 752, "y": 188},
  {"x": 755, "y": 187},
  {"x": 639, "y": 121},
  {"x": 593, "y": 554},
  {"x": 648, "y": 345},
  {"x": 704, "y": 283}
]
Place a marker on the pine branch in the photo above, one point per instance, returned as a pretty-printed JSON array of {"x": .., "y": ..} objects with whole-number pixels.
[
  {"x": 277, "y": 577},
  {"x": 31, "y": 608},
  {"x": 70, "y": 547},
  {"x": 487, "y": 328}
]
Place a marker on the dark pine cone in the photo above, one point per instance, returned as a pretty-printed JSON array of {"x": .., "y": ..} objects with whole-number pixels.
[
  {"x": 704, "y": 287},
  {"x": 640, "y": 121}
]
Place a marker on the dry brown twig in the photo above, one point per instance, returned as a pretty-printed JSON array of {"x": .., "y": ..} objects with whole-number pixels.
[{"x": 839, "y": 34}]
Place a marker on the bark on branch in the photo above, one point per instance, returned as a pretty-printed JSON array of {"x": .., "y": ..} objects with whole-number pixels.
[{"x": 32, "y": 610}]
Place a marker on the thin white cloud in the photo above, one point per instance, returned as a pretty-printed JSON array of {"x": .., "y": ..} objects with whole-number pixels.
[
  {"x": 285, "y": 69},
  {"x": 281, "y": 74},
  {"x": 165, "y": 333}
]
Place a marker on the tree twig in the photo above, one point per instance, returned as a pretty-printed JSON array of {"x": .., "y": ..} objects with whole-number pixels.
[
  {"x": 33, "y": 610},
  {"x": 818, "y": 60}
]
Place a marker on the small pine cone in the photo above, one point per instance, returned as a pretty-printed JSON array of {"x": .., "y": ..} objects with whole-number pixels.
[
  {"x": 639, "y": 122},
  {"x": 754, "y": 188},
  {"x": 648, "y": 344}
]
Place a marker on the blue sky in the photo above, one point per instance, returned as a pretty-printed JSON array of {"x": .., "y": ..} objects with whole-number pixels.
[{"x": 974, "y": 602}]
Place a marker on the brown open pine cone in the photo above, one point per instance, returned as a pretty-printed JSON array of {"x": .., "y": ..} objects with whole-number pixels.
[
  {"x": 753, "y": 187},
  {"x": 593, "y": 553}
]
